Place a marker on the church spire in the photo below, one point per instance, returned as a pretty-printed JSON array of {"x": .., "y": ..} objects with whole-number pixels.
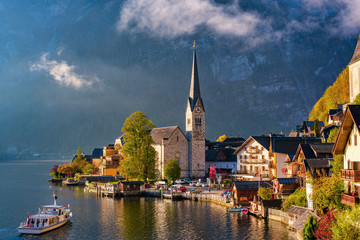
[
  {"x": 194, "y": 95},
  {"x": 356, "y": 56}
]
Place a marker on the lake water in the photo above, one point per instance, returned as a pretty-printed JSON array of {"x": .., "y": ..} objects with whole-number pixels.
[{"x": 24, "y": 186}]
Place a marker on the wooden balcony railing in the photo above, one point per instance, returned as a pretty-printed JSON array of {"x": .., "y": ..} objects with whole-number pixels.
[
  {"x": 349, "y": 200},
  {"x": 350, "y": 175}
]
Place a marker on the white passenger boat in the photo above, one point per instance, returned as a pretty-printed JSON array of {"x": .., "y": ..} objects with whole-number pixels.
[{"x": 49, "y": 217}]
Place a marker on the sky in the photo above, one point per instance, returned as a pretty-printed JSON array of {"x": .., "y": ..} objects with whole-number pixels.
[{"x": 71, "y": 72}]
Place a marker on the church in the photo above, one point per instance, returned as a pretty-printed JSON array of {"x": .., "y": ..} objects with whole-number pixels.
[
  {"x": 354, "y": 73},
  {"x": 187, "y": 148}
]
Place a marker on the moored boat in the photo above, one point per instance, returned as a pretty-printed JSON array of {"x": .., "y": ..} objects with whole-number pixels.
[
  {"x": 49, "y": 217},
  {"x": 245, "y": 211},
  {"x": 235, "y": 209}
]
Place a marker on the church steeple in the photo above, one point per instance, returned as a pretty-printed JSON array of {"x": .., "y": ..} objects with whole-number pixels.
[
  {"x": 356, "y": 56},
  {"x": 195, "y": 95}
]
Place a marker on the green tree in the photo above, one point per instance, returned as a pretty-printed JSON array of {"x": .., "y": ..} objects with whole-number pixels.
[
  {"x": 338, "y": 164},
  {"x": 332, "y": 135},
  {"x": 357, "y": 100},
  {"x": 265, "y": 193},
  {"x": 309, "y": 229},
  {"x": 316, "y": 128},
  {"x": 172, "y": 170},
  {"x": 79, "y": 157},
  {"x": 347, "y": 225},
  {"x": 297, "y": 198},
  {"x": 138, "y": 151},
  {"x": 88, "y": 169}
]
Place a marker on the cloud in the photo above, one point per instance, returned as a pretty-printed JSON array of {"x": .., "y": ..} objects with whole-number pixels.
[
  {"x": 63, "y": 73},
  {"x": 347, "y": 19},
  {"x": 172, "y": 18}
]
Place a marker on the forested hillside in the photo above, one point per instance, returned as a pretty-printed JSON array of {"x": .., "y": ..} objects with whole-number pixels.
[{"x": 337, "y": 93}]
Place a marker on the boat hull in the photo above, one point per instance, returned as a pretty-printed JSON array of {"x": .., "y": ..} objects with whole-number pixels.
[
  {"x": 235, "y": 209},
  {"x": 31, "y": 230}
]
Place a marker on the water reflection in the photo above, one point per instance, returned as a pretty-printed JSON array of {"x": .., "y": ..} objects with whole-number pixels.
[{"x": 127, "y": 218}]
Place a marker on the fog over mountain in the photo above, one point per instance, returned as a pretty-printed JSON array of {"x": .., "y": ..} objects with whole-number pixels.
[{"x": 72, "y": 71}]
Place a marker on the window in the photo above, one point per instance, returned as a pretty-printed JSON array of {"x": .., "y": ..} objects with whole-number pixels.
[
  {"x": 188, "y": 121},
  {"x": 177, "y": 156},
  {"x": 177, "y": 138},
  {"x": 349, "y": 141},
  {"x": 198, "y": 121},
  {"x": 355, "y": 140}
]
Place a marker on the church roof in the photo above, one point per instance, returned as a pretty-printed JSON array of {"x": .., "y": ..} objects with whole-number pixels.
[
  {"x": 356, "y": 56},
  {"x": 194, "y": 94},
  {"x": 161, "y": 133}
]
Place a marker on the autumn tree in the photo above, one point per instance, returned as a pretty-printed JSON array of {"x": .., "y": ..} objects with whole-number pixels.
[
  {"x": 332, "y": 135},
  {"x": 139, "y": 154},
  {"x": 172, "y": 170},
  {"x": 323, "y": 231},
  {"x": 338, "y": 93},
  {"x": 221, "y": 138}
]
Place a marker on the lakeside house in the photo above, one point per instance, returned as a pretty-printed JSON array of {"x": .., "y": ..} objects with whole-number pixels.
[
  {"x": 264, "y": 156},
  {"x": 130, "y": 188},
  {"x": 347, "y": 144},
  {"x": 283, "y": 187},
  {"x": 306, "y": 151},
  {"x": 223, "y": 159},
  {"x": 244, "y": 192}
]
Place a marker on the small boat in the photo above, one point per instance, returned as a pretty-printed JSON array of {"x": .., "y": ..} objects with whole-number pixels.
[
  {"x": 49, "y": 217},
  {"x": 71, "y": 182},
  {"x": 245, "y": 211},
  {"x": 235, "y": 209}
]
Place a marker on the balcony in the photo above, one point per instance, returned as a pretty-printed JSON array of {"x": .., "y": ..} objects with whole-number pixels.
[
  {"x": 349, "y": 200},
  {"x": 350, "y": 175}
]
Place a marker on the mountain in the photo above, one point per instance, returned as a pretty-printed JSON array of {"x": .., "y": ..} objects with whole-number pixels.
[{"x": 71, "y": 71}]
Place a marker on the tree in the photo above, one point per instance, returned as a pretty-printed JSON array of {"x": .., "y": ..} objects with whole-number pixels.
[
  {"x": 327, "y": 192},
  {"x": 88, "y": 169},
  {"x": 297, "y": 198},
  {"x": 337, "y": 93},
  {"x": 172, "y": 170},
  {"x": 309, "y": 229},
  {"x": 332, "y": 135},
  {"x": 221, "y": 138},
  {"x": 316, "y": 128},
  {"x": 324, "y": 226},
  {"x": 79, "y": 157},
  {"x": 138, "y": 151},
  {"x": 338, "y": 164},
  {"x": 357, "y": 99},
  {"x": 347, "y": 225},
  {"x": 265, "y": 193},
  {"x": 54, "y": 171}
]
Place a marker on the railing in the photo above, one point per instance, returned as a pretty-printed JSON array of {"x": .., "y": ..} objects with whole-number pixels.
[
  {"x": 253, "y": 161},
  {"x": 350, "y": 175},
  {"x": 349, "y": 200}
]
